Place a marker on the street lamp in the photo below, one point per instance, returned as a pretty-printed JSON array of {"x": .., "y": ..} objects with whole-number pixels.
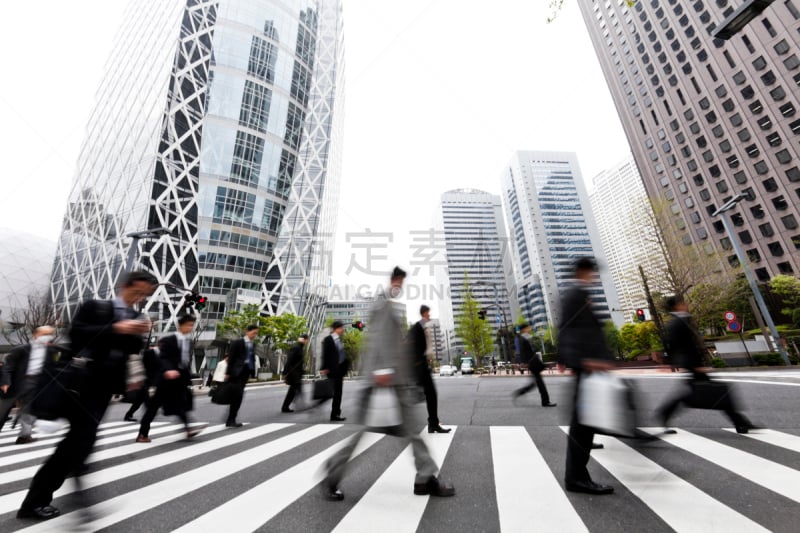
[
  {"x": 741, "y": 17},
  {"x": 727, "y": 206},
  {"x": 135, "y": 236}
]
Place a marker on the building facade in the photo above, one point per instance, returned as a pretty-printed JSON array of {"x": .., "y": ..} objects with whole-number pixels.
[
  {"x": 206, "y": 133},
  {"x": 623, "y": 215},
  {"x": 551, "y": 225},
  {"x": 476, "y": 247},
  {"x": 708, "y": 119}
]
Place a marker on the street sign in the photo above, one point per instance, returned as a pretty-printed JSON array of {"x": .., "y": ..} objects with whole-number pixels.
[
  {"x": 498, "y": 319},
  {"x": 730, "y": 316},
  {"x": 734, "y": 326}
]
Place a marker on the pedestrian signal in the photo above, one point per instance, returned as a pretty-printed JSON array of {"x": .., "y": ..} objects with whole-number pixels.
[
  {"x": 200, "y": 302},
  {"x": 640, "y": 315}
]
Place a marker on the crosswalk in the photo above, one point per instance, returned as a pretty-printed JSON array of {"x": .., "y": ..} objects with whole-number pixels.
[{"x": 265, "y": 477}]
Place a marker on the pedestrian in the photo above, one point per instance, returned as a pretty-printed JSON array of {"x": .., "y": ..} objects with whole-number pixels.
[
  {"x": 419, "y": 347},
  {"x": 389, "y": 363},
  {"x": 241, "y": 367},
  {"x": 582, "y": 348},
  {"x": 174, "y": 379},
  {"x": 141, "y": 395},
  {"x": 535, "y": 366},
  {"x": 105, "y": 332},
  {"x": 20, "y": 376},
  {"x": 335, "y": 366},
  {"x": 293, "y": 373},
  {"x": 685, "y": 348}
]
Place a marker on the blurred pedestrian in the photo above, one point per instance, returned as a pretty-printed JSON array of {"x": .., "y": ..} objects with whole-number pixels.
[
  {"x": 535, "y": 366},
  {"x": 141, "y": 395},
  {"x": 241, "y": 367},
  {"x": 389, "y": 364},
  {"x": 20, "y": 376},
  {"x": 335, "y": 366},
  {"x": 173, "y": 381},
  {"x": 293, "y": 373},
  {"x": 105, "y": 332},
  {"x": 686, "y": 350},
  {"x": 419, "y": 346},
  {"x": 582, "y": 348}
]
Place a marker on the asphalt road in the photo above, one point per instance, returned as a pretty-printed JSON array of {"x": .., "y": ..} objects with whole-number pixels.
[{"x": 505, "y": 460}]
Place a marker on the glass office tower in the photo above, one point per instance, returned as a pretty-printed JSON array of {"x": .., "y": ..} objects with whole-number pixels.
[{"x": 200, "y": 142}]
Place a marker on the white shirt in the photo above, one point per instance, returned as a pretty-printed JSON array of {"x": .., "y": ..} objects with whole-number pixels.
[
  {"x": 184, "y": 343},
  {"x": 36, "y": 359}
]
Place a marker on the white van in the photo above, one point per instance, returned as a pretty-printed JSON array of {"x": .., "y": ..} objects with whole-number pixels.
[{"x": 466, "y": 366}]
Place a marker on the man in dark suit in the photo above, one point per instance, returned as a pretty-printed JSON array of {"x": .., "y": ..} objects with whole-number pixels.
[
  {"x": 335, "y": 366},
  {"x": 535, "y": 366},
  {"x": 241, "y": 367},
  {"x": 419, "y": 348},
  {"x": 293, "y": 373},
  {"x": 140, "y": 397},
  {"x": 20, "y": 376},
  {"x": 174, "y": 379},
  {"x": 582, "y": 348},
  {"x": 105, "y": 332}
]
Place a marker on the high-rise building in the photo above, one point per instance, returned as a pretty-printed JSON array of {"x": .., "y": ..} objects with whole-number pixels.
[
  {"x": 214, "y": 142},
  {"x": 707, "y": 119},
  {"x": 476, "y": 246},
  {"x": 551, "y": 225},
  {"x": 623, "y": 215}
]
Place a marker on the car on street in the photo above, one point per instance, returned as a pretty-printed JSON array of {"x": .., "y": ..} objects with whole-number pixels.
[
  {"x": 447, "y": 370},
  {"x": 466, "y": 367}
]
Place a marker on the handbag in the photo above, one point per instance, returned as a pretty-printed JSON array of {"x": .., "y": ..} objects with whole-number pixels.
[
  {"x": 605, "y": 404},
  {"x": 711, "y": 395},
  {"x": 59, "y": 389},
  {"x": 323, "y": 389},
  {"x": 383, "y": 409},
  {"x": 223, "y": 394}
]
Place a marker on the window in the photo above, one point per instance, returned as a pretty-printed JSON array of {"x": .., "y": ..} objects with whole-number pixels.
[
  {"x": 698, "y": 180},
  {"x": 740, "y": 177},
  {"x": 727, "y": 105},
  {"x": 714, "y": 171},
  {"x": 791, "y": 62},
  {"x": 769, "y": 28},
  {"x": 694, "y": 127},
  {"x": 774, "y": 139},
  {"x": 729, "y": 59},
  {"x": 705, "y": 195},
  {"x": 739, "y": 78},
  {"x": 780, "y": 203},
  {"x": 744, "y": 135},
  {"x": 760, "y": 63},
  {"x": 770, "y": 185},
  {"x": 691, "y": 165},
  {"x": 761, "y": 167},
  {"x": 756, "y": 107},
  {"x": 757, "y": 211},
  {"x": 737, "y": 219},
  {"x": 753, "y": 255},
  {"x": 781, "y": 47},
  {"x": 725, "y": 146},
  {"x": 795, "y": 126},
  {"x": 722, "y": 186},
  {"x": 787, "y": 110},
  {"x": 708, "y": 157},
  {"x": 789, "y": 222},
  {"x": 748, "y": 44},
  {"x": 688, "y": 114},
  {"x": 793, "y": 174},
  {"x": 748, "y": 92},
  {"x": 768, "y": 78},
  {"x": 736, "y": 120},
  {"x": 718, "y": 131},
  {"x": 783, "y": 157},
  {"x": 701, "y": 142},
  {"x": 765, "y": 123},
  {"x": 704, "y": 103},
  {"x": 777, "y": 94},
  {"x": 680, "y": 138},
  {"x": 766, "y": 229},
  {"x": 792, "y": 9},
  {"x": 733, "y": 161},
  {"x": 745, "y": 237}
]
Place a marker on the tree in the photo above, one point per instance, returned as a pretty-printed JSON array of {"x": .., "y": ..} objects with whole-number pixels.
[
  {"x": 23, "y": 322},
  {"x": 788, "y": 288},
  {"x": 476, "y": 334},
  {"x": 234, "y": 323},
  {"x": 283, "y": 330},
  {"x": 612, "y": 338},
  {"x": 353, "y": 341}
]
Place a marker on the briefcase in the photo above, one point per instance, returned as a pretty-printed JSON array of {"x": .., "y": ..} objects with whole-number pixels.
[
  {"x": 711, "y": 395},
  {"x": 605, "y": 404},
  {"x": 223, "y": 395},
  {"x": 59, "y": 388},
  {"x": 383, "y": 409},
  {"x": 323, "y": 389}
]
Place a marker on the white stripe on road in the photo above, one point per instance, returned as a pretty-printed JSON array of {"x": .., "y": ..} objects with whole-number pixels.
[
  {"x": 519, "y": 469},
  {"x": 680, "y": 504},
  {"x": 42, "y": 436},
  {"x": 773, "y": 476},
  {"x": 758, "y": 382},
  {"x": 775, "y": 438},
  {"x": 279, "y": 492},
  {"x": 10, "y": 502},
  {"x": 110, "y": 453},
  {"x": 390, "y": 504},
  {"x": 47, "y": 449},
  {"x": 137, "y": 501}
]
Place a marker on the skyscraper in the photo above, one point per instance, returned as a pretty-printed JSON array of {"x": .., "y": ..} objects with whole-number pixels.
[
  {"x": 623, "y": 216},
  {"x": 551, "y": 225},
  {"x": 476, "y": 246},
  {"x": 214, "y": 120},
  {"x": 707, "y": 119}
]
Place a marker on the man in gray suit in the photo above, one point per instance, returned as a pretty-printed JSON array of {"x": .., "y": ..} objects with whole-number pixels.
[{"x": 388, "y": 362}]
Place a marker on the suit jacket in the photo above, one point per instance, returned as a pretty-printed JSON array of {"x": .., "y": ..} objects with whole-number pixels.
[
  {"x": 16, "y": 366},
  {"x": 419, "y": 347},
  {"x": 173, "y": 392},
  {"x": 237, "y": 360},
  {"x": 93, "y": 336},
  {"x": 528, "y": 356},
  {"x": 330, "y": 359},
  {"x": 683, "y": 342},
  {"x": 294, "y": 365},
  {"x": 580, "y": 332}
]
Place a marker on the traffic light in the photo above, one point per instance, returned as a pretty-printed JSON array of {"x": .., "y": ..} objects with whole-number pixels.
[
  {"x": 482, "y": 314},
  {"x": 640, "y": 315},
  {"x": 200, "y": 302},
  {"x": 359, "y": 325}
]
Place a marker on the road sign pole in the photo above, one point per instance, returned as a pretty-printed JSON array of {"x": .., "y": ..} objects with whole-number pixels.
[{"x": 749, "y": 357}]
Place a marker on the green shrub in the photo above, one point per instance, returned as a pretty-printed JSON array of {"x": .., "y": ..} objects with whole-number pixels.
[
  {"x": 768, "y": 359},
  {"x": 718, "y": 362}
]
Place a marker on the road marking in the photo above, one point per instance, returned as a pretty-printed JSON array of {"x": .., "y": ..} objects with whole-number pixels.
[
  {"x": 519, "y": 470},
  {"x": 278, "y": 492},
  {"x": 390, "y": 504},
  {"x": 43, "y": 437},
  {"x": 758, "y": 382},
  {"x": 137, "y": 501},
  {"x": 773, "y": 476},
  {"x": 775, "y": 438}
]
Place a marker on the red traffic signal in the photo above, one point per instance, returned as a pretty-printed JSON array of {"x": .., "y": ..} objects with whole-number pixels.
[
  {"x": 200, "y": 302},
  {"x": 640, "y": 315},
  {"x": 359, "y": 325}
]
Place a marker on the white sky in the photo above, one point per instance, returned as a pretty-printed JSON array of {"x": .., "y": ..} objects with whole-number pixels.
[{"x": 440, "y": 93}]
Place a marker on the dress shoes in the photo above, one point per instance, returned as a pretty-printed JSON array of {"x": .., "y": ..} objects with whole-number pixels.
[
  {"x": 438, "y": 429},
  {"x": 434, "y": 487},
  {"x": 746, "y": 429},
  {"x": 24, "y": 440},
  {"x": 193, "y": 432},
  {"x": 597, "y": 446},
  {"x": 588, "y": 487},
  {"x": 287, "y": 410},
  {"x": 233, "y": 424},
  {"x": 143, "y": 438},
  {"x": 338, "y": 419},
  {"x": 549, "y": 404},
  {"x": 129, "y": 418},
  {"x": 45, "y": 512},
  {"x": 332, "y": 493}
]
